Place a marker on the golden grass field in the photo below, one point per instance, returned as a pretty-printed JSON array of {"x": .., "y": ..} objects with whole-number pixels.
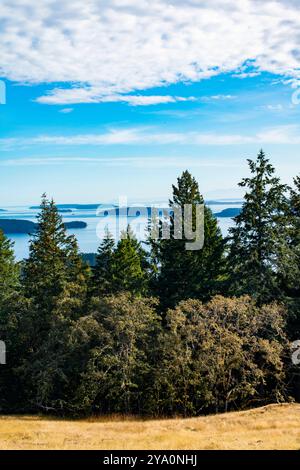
[{"x": 269, "y": 427}]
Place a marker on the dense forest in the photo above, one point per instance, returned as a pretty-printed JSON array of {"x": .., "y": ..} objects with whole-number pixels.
[{"x": 161, "y": 331}]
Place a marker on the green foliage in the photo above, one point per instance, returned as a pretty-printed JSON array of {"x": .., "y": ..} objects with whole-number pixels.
[
  {"x": 55, "y": 284},
  {"x": 54, "y": 264},
  {"x": 183, "y": 273},
  {"x": 100, "y": 362},
  {"x": 123, "y": 269},
  {"x": 82, "y": 342},
  {"x": 101, "y": 281},
  {"x": 290, "y": 262},
  {"x": 9, "y": 308},
  {"x": 259, "y": 237},
  {"x": 118, "y": 368},
  {"x": 225, "y": 354},
  {"x": 9, "y": 271}
]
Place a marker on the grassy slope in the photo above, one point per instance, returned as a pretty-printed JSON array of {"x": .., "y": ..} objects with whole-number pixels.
[{"x": 269, "y": 427}]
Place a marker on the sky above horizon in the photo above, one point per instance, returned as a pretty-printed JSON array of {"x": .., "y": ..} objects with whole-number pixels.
[{"x": 117, "y": 98}]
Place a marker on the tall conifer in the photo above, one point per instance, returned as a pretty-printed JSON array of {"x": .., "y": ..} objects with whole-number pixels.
[
  {"x": 183, "y": 273},
  {"x": 259, "y": 236}
]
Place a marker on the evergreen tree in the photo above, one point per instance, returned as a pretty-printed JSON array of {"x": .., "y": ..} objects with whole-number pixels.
[
  {"x": 9, "y": 297},
  {"x": 9, "y": 271},
  {"x": 128, "y": 271},
  {"x": 182, "y": 273},
  {"x": 295, "y": 236},
  {"x": 259, "y": 236},
  {"x": 12, "y": 306},
  {"x": 55, "y": 284},
  {"x": 290, "y": 261},
  {"x": 101, "y": 280},
  {"x": 54, "y": 265}
]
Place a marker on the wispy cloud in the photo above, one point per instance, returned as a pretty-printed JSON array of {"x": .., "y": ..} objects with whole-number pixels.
[
  {"x": 92, "y": 95},
  {"x": 217, "y": 98},
  {"x": 118, "y": 48},
  {"x": 273, "y": 107},
  {"x": 136, "y": 162},
  {"x": 289, "y": 134},
  {"x": 66, "y": 110}
]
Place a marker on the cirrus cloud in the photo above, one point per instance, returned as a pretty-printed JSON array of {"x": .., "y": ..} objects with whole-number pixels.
[{"x": 285, "y": 134}]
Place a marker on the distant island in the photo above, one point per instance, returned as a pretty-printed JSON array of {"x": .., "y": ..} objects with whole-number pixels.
[
  {"x": 11, "y": 226},
  {"x": 134, "y": 211},
  {"x": 61, "y": 207},
  {"x": 75, "y": 224},
  {"x": 230, "y": 212},
  {"x": 2, "y": 210},
  {"x": 223, "y": 203},
  {"x": 63, "y": 211},
  {"x": 146, "y": 211}
]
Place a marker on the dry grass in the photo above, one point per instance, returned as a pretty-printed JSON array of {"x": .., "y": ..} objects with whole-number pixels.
[{"x": 269, "y": 427}]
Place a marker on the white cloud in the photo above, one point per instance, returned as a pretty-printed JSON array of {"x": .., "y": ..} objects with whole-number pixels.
[
  {"x": 218, "y": 98},
  {"x": 92, "y": 95},
  {"x": 105, "y": 48},
  {"x": 66, "y": 110},
  {"x": 289, "y": 134},
  {"x": 273, "y": 107},
  {"x": 137, "y": 162}
]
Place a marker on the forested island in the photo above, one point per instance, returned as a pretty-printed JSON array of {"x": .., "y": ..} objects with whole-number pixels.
[
  {"x": 72, "y": 206},
  {"x": 11, "y": 226},
  {"x": 231, "y": 212}
]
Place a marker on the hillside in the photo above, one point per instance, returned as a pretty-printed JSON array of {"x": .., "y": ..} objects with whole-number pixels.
[{"x": 269, "y": 427}]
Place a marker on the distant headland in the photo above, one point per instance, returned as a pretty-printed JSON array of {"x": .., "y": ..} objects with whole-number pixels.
[{"x": 230, "y": 212}]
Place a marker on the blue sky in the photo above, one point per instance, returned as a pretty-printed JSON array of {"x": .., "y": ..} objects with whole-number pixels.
[{"x": 97, "y": 107}]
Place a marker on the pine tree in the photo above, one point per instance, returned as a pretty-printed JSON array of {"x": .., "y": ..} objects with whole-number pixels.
[
  {"x": 101, "y": 282},
  {"x": 182, "y": 273},
  {"x": 259, "y": 236}
]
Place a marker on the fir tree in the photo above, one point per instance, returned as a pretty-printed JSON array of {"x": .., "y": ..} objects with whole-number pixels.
[
  {"x": 290, "y": 261},
  {"x": 128, "y": 271},
  {"x": 12, "y": 306},
  {"x": 54, "y": 263},
  {"x": 9, "y": 271},
  {"x": 259, "y": 236},
  {"x": 102, "y": 273},
  {"x": 54, "y": 277},
  {"x": 55, "y": 284},
  {"x": 182, "y": 273}
]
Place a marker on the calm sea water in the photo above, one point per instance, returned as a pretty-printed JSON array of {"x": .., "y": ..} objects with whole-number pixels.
[{"x": 90, "y": 237}]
